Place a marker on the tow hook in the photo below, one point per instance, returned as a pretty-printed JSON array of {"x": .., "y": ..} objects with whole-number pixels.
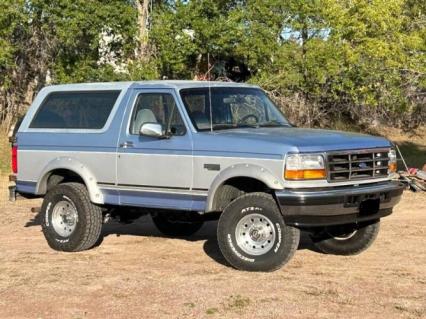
[{"x": 12, "y": 188}]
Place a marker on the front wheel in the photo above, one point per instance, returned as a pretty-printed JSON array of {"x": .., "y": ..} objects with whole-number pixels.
[
  {"x": 346, "y": 239},
  {"x": 252, "y": 234}
]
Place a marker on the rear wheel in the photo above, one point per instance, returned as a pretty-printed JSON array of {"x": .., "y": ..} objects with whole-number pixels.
[
  {"x": 71, "y": 222},
  {"x": 346, "y": 239},
  {"x": 176, "y": 224},
  {"x": 252, "y": 234}
]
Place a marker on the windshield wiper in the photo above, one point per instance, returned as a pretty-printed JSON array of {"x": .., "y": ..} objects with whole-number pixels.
[
  {"x": 273, "y": 124},
  {"x": 226, "y": 126},
  {"x": 248, "y": 125}
]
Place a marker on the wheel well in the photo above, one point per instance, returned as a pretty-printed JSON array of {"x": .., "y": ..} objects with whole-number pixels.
[
  {"x": 59, "y": 176},
  {"x": 235, "y": 187}
]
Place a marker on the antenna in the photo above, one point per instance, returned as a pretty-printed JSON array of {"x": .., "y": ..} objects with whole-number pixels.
[{"x": 210, "y": 91}]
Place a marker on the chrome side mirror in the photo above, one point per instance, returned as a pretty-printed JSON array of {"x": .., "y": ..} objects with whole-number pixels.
[{"x": 152, "y": 129}]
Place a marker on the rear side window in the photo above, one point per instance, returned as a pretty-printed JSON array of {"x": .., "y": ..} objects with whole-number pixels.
[{"x": 75, "y": 110}]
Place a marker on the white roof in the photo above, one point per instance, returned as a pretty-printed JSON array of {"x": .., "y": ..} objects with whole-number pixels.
[{"x": 174, "y": 84}]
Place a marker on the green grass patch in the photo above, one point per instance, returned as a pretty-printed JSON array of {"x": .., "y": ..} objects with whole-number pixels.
[
  {"x": 237, "y": 302},
  {"x": 212, "y": 311},
  {"x": 414, "y": 154}
]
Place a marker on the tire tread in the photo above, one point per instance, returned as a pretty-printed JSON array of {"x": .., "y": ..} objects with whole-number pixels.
[{"x": 365, "y": 239}]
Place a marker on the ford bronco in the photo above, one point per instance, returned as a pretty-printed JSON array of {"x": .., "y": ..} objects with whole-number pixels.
[{"x": 186, "y": 152}]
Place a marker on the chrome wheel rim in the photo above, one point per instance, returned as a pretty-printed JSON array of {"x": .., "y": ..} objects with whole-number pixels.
[
  {"x": 255, "y": 234},
  {"x": 64, "y": 218}
]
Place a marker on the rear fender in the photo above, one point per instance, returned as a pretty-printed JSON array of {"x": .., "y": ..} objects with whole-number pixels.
[{"x": 71, "y": 164}]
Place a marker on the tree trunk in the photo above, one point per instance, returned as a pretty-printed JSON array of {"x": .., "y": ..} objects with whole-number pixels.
[
  {"x": 143, "y": 16},
  {"x": 305, "y": 35}
]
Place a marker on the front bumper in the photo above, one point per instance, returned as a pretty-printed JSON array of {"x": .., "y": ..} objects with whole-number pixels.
[{"x": 338, "y": 205}]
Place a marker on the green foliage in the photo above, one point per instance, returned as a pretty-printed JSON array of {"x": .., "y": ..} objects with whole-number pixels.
[
  {"x": 141, "y": 70},
  {"x": 355, "y": 58},
  {"x": 230, "y": 33},
  {"x": 69, "y": 34},
  {"x": 10, "y": 18},
  {"x": 77, "y": 29},
  {"x": 324, "y": 60}
]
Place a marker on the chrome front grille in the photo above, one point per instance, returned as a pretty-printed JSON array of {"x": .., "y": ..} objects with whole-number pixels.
[{"x": 357, "y": 165}]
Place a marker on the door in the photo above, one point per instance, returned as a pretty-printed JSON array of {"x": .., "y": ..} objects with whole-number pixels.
[{"x": 152, "y": 171}]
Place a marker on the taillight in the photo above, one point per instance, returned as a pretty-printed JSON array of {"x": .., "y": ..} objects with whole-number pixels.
[{"x": 15, "y": 159}]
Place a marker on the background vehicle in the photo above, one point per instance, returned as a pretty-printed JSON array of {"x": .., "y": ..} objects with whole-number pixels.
[{"x": 186, "y": 152}]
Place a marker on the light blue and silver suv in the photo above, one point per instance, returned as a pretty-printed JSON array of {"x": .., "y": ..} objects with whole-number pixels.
[{"x": 186, "y": 152}]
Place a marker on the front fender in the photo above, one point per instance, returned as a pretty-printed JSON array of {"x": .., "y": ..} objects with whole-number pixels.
[
  {"x": 241, "y": 170},
  {"x": 78, "y": 168}
]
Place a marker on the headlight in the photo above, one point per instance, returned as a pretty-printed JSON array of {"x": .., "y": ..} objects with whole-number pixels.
[
  {"x": 304, "y": 166},
  {"x": 392, "y": 161}
]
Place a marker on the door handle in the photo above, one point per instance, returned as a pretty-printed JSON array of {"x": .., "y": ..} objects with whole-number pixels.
[{"x": 126, "y": 144}]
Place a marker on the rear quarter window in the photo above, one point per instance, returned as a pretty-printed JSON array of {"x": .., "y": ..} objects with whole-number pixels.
[{"x": 75, "y": 110}]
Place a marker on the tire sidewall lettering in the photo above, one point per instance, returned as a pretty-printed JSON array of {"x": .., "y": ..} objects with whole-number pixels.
[
  {"x": 236, "y": 252},
  {"x": 46, "y": 217},
  {"x": 279, "y": 237},
  {"x": 251, "y": 209}
]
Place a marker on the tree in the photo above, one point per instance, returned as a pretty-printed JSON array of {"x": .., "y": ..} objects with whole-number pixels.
[
  {"x": 237, "y": 36},
  {"x": 60, "y": 42},
  {"x": 351, "y": 60}
]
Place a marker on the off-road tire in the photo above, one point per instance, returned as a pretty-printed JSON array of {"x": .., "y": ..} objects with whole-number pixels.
[
  {"x": 362, "y": 238},
  {"x": 172, "y": 226},
  {"x": 283, "y": 246},
  {"x": 88, "y": 225}
]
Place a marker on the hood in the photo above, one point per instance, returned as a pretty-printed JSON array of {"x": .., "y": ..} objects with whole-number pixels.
[{"x": 285, "y": 139}]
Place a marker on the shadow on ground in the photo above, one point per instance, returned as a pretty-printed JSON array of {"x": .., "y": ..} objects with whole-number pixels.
[{"x": 145, "y": 227}]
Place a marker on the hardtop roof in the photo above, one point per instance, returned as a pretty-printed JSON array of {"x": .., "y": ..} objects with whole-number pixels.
[{"x": 169, "y": 84}]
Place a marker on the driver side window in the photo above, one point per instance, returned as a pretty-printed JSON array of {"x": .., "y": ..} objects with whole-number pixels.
[{"x": 157, "y": 108}]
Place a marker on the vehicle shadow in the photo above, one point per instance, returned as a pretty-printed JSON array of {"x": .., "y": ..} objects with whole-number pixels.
[
  {"x": 145, "y": 227},
  {"x": 34, "y": 221}
]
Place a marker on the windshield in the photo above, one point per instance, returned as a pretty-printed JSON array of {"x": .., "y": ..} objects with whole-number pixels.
[{"x": 232, "y": 107}]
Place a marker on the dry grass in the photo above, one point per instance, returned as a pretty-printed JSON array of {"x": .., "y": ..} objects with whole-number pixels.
[{"x": 4, "y": 153}]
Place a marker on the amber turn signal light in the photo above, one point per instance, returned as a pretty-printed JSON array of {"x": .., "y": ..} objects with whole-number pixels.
[
  {"x": 392, "y": 167},
  {"x": 305, "y": 174}
]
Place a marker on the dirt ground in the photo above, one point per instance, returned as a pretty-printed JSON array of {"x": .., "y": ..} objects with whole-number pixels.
[{"x": 137, "y": 273}]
